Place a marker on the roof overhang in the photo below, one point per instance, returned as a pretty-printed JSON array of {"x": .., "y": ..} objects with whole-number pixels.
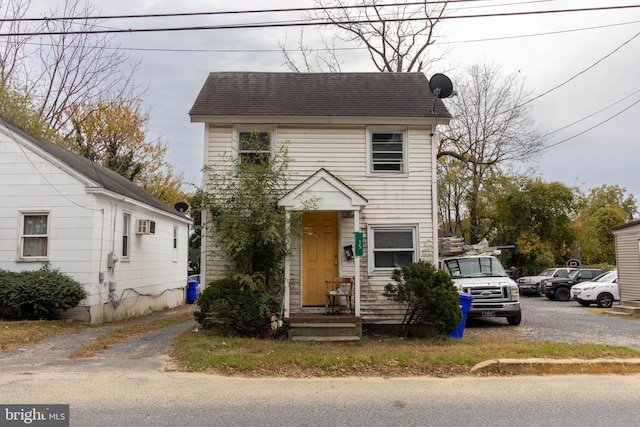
[{"x": 324, "y": 120}]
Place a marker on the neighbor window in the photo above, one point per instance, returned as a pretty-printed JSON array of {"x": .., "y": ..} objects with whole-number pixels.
[
  {"x": 388, "y": 152},
  {"x": 175, "y": 243},
  {"x": 126, "y": 230},
  {"x": 35, "y": 235},
  {"x": 254, "y": 147},
  {"x": 392, "y": 247}
]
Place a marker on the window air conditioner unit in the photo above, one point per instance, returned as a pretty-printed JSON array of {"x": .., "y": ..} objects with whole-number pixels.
[{"x": 146, "y": 226}]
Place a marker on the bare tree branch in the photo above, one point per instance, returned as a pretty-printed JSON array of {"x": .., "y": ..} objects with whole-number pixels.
[{"x": 393, "y": 41}]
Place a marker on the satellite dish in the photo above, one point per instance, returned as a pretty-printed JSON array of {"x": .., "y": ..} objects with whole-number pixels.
[
  {"x": 181, "y": 207},
  {"x": 441, "y": 86}
]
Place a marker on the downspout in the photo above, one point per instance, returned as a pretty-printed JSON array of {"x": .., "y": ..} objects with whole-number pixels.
[
  {"x": 434, "y": 196},
  {"x": 356, "y": 273}
]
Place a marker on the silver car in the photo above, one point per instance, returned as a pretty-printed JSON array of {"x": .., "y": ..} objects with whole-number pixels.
[{"x": 530, "y": 285}]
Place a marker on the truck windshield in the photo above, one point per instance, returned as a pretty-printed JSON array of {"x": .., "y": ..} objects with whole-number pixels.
[{"x": 461, "y": 268}]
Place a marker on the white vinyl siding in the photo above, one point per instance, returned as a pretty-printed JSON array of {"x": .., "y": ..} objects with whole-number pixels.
[{"x": 392, "y": 198}]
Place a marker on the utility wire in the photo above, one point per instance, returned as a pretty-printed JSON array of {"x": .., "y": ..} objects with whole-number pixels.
[
  {"x": 581, "y": 72},
  {"x": 586, "y": 130},
  {"x": 282, "y": 24},
  {"x": 593, "y": 114},
  {"x": 259, "y": 11}
]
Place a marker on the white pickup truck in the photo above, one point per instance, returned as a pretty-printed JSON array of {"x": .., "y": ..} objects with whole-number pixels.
[{"x": 494, "y": 293}]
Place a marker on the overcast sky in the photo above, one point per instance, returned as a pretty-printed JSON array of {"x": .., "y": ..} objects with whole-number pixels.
[{"x": 547, "y": 49}]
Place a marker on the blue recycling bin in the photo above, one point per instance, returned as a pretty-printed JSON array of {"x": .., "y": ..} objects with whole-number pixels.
[
  {"x": 465, "y": 305},
  {"x": 192, "y": 291}
]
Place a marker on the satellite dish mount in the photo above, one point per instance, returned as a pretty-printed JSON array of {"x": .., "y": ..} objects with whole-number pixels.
[{"x": 441, "y": 87}]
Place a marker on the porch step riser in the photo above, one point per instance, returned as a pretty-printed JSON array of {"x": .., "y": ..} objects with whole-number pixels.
[{"x": 325, "y": 330}]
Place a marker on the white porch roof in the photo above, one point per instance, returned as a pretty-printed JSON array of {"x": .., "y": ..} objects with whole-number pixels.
[{"x": 322, "y": 192}]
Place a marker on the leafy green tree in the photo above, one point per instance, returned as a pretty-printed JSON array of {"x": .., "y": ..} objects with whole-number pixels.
[
  {"x": 21, "y": 111},
  {"x": 245, "y": 222},
  {"x": 115, "y": 135},
  {"x": 428, "y": 295},
  {"x": 536, "y": 216},
  {"x": 600, "y": 210}
]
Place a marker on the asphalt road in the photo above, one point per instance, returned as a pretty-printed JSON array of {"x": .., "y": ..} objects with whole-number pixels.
[{"x": 133, "y": 385}]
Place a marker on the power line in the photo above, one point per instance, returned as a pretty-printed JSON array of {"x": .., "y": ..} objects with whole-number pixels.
[
  {"x": 259, "y": 11},
  {"x": 282, "y": 24},
  {"x": 589, "y": 129},
  {"x": 593, "y": 114}
]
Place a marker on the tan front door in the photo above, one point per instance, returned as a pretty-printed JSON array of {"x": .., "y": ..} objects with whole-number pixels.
[{"x": 319, "y": 255}]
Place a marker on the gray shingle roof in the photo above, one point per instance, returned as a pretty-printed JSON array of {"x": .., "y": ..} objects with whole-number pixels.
[
  {"x": 108, "y": 179},
  {"x": 317, "y": 94}
]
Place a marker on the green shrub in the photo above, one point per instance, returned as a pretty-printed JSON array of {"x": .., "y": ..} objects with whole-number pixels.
[
  {"x": 39, "y": 294},
  {"x": 428, "y": 295},
  {"x": 237, "y": 303}
]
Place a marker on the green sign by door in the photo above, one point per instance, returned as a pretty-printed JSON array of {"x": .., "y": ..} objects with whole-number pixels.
[{"x": 359, "y": 243}]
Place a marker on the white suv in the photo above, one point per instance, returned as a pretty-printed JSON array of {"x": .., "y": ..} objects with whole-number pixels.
[{"x": 603, "y": 290}]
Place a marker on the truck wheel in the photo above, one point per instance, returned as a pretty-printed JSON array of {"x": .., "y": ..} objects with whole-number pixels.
[
  {"x": 563, "y": 294},
  {"x": 605, "y": 300},
  {"x": 515, "y": 319}
]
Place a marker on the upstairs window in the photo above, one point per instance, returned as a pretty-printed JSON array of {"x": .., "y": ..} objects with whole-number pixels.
[
  {"x": 34, "y": 239},
  {"x": 254, "y": 147},
  {"x": 388, "y": 152}
]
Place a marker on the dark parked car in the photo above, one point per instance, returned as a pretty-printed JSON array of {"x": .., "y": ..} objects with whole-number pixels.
[
  {"x": 560, "y": 288},
  {"x": 530, "y": 285}
]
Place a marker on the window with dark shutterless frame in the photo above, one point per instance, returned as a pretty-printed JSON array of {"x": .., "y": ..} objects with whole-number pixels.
[
  {"x": 393, "y": 247},
  {"x": 388, "y": 152},
  {"x": 254, "y": 147}
]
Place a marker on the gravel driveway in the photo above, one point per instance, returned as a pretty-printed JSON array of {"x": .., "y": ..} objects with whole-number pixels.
[
  {"x": 146, "y": 353},
  {"x": 543, "y": 319}
]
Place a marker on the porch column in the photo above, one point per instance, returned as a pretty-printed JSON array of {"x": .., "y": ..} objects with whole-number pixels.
[
  {"x": 287, "y": 264},
  {"x": 356, "y": 227}
]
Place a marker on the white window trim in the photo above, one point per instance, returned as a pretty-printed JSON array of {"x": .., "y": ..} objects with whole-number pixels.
[
  {"x": 253, "y": 128},
  {"x": 176, "y": 233},
  {"x": 21, "y": 236},
  {"x": 129, "y": 235},
  {"x": 405, "y": 151},
  {"x": 413, "y": 227}
]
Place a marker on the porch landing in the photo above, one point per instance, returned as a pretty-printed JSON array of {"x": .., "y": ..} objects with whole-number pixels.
[{"x": 325, "y": 327}]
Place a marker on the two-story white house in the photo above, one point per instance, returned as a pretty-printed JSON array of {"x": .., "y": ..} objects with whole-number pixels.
[
  {"x": 127, "y": 248},
  {"x": 362, "y": 148}
]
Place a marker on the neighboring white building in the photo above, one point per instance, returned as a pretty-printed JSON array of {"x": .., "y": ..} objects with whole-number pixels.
[
  {"x": 126, "y": 247},
  {"x": 362, "y": 148}
]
